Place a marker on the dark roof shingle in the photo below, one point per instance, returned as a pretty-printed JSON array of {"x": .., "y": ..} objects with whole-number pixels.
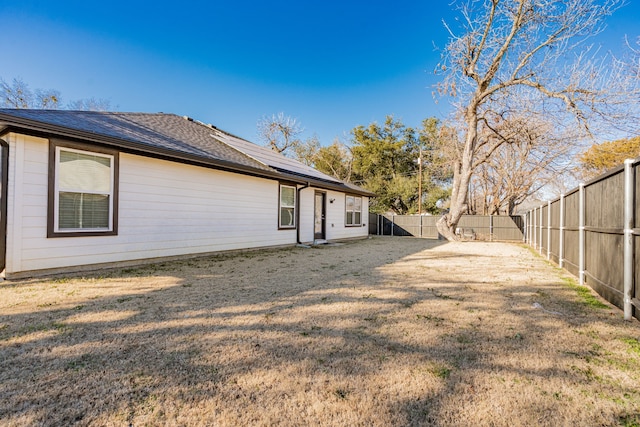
[
  {"x": 171, "y": 136},
  {"x": 167, "y": 131}
]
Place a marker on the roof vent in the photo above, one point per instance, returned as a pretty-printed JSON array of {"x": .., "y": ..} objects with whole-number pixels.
[{"x": 187, "y": 118}]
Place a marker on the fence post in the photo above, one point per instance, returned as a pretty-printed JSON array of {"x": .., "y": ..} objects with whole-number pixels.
[
  {"x": 529, "y": 234},
  {"x": 581, "y": 239},
  {"x": 420, "y": 225},
  {"x": 541, "y": 228},
  {"x": 534, "y": 233},
  {"x": 393, "y": 223},
  {"x": 549, "y": 229},
  {"x": 561, "y": 236},
  {"x": 628, "y": 237},
  {"x": 525, "y": 230},
  {"x": 491, "y": 228}
]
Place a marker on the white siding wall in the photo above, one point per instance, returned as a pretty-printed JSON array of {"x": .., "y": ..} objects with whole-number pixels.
[
  {"x": 165, "y": 209},
  {"x": 335, "y": 216},
  {"x": 26, "y": 195}
]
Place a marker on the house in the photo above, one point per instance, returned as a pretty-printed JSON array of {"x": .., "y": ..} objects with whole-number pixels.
[{"x": 86, "y": 190}]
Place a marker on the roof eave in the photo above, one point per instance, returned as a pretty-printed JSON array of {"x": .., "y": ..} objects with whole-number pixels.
[
  {"x": 10, "y": 123},
  {"x": 314, "y": 182}
]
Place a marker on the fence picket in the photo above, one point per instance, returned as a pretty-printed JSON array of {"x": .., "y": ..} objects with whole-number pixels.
[
  {"x": 597, "y": 235},
  {"x": 486, "y": 227},
  {"x": 561, "y": 234}
]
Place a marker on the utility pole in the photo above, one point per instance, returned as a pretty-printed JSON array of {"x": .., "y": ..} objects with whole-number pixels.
[{"x": 420, "y": 182}]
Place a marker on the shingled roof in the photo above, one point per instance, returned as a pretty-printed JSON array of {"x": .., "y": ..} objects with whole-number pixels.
[{"x": 172, "y": 137}]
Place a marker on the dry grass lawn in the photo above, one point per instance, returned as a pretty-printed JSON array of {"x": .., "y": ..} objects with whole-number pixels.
[{"x": 380, "y": 332}]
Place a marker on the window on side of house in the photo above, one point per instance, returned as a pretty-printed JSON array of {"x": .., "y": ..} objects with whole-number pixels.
[
  {"x": 287, "y": 214},
  {"x": 353, "y": 211},
  {"x": 83, "y": 192}
]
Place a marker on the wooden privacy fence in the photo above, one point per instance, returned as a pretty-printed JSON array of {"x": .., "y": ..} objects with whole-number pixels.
[
  {"x": 481, "y": 227},
  {"x": 593, "y": 232}
]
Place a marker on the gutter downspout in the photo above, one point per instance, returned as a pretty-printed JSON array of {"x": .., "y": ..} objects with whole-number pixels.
[{"x": 307, "y": 185}]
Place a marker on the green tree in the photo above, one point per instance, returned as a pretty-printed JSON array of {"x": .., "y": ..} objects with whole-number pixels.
[
  {"x": 386, "y": 161},
  {"x": 436, "y": 172},
  {"x": 601, "y": 157},
  {"x": 334, "y": 160},
  {"x": 307, "y": 151}
]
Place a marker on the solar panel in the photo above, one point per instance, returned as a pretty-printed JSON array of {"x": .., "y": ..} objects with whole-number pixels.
[{"x": 270, "y": 157}]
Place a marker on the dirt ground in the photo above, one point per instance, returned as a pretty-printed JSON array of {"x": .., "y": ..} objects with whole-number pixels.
[{"x": 379, "y": 332}]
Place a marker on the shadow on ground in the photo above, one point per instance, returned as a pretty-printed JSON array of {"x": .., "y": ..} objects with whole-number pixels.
[{"x": 388, "y": 331}]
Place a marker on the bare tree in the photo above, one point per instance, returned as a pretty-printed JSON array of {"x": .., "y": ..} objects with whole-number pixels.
[
  {"x": 279, "y": 132},
  {"x": 16, "y": 95},
  {"x": 90, "y": 104},
  {"x": 48, "y": 99},
  {"x": 532, "y": 157},
  {"x": 525, "y": 56},
  {"x": 19, "y": 95},
  {"x": 631, "y": 58}
]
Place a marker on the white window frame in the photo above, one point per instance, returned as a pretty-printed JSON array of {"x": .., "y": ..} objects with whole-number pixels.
[
  {"x": 293, "y": 207},
  {"x": 58, "y": 190},
  {"x": 353, "y": 212}
]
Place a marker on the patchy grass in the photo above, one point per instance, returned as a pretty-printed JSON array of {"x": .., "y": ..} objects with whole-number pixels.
[
  {"x": 387, "y": 331},
  {"x": 634, "y": 345},
  {"x": 630, "y": 420},
  {"x": 441, "y": 371},
  {"x": 586, "y": 294}
]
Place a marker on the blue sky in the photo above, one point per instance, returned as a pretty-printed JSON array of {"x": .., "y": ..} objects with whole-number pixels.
[{"x": 331, "y": 64}]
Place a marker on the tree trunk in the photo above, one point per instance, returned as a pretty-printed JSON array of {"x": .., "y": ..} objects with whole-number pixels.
[
  {"x": 447, "y": 231},
  {"x": 511, "y": 206},
  {"x": 449, "y": 222},
  {"x": 461, "y": 177}
]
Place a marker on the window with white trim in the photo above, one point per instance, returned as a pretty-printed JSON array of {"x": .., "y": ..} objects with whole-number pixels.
[
  {"x": 83, "y": 192},
  {"x": 287, "y": 216},
  {"x": 353, "y": 211}
]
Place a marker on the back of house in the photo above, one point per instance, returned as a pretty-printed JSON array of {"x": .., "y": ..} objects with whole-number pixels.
[{"x": 86, "y": 190}]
